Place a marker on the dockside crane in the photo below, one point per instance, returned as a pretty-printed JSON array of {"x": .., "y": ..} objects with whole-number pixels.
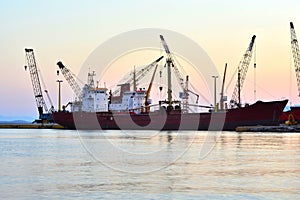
[
  {"x": 44, "y": 116},
  {"x": 296, "y": 56},
  {"x": 71, "y": 80},
  {"x": 242, "y": 71}
]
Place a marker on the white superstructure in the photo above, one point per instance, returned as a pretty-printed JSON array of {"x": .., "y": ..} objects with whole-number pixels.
[
  {"x": 132, "y": 101},
  {"x": 94, "y": 99}
]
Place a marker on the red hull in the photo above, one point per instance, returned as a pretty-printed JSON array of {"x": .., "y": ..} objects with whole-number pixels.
[
  {"x": 260, "y": 113},
  {"x": 293, "y": 113}
]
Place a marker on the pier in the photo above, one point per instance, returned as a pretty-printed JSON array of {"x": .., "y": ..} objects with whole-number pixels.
[
  {"x": 31, "y": 126},
  {"x": 280, "y": 128}
]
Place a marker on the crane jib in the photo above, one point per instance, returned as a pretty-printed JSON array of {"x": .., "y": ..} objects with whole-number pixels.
[
  {"x": 165, "y": 44},
  {"x": 296, "y": 55},
  {"x": 292, "y": 25},
  {"x": 159, "y": 59},
  {"x": 252, "y": 43},
  {"x": 243, "y": 68}
]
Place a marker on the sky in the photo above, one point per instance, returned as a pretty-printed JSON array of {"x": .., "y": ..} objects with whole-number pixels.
[{"x": 71, "y": 30}]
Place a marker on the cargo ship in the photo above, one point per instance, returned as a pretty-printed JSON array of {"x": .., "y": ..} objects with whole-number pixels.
[
  {"x": 259, "y": 113},
  {"x": 99, "y": 108}
]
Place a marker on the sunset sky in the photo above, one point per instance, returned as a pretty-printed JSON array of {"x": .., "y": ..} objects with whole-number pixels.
[{"x": 71, "y": 30}]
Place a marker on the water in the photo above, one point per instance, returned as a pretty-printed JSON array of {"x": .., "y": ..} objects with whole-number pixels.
[{"x": 62, "y": 164}]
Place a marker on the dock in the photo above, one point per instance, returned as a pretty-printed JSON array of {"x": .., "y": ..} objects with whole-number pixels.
[
  {"x": 31, "y": 126},
  {"x": 280, "y": 128}
]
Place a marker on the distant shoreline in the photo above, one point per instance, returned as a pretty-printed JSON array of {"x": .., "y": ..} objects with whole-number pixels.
[{"x": 15, "y": 122}]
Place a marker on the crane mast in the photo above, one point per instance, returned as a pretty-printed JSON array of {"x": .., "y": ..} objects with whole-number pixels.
[
  {"x": 222, "y": 90},
  {"x": 242, "y": 71},
  {"x": 71, "y": 80},
  {"x": 37, "y": 90},
  {"x": 296, "y": 56}
]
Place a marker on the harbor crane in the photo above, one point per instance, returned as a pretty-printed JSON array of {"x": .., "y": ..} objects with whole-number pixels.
[
  {"x": 170, "y": 62},
  {"x": 242, "y": 71},
  {"x": 296, "y": 56},
  {"x": 44, "y": 116},
  {"x": 71, "y": 80}
]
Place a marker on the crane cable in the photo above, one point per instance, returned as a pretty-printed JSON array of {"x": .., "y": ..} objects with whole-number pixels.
[
  {"x": 290, "y": 82},
  {"x": 45, "y": 89},
  {"x": 182, "y": 72}
]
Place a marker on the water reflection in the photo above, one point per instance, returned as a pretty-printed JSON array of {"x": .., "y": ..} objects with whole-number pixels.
[
  {"x": 169, "y": 136},
  {"x": 240, "y": 166}
]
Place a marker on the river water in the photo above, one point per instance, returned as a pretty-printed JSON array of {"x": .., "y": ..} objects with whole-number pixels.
[{"x": 63, "y": 164}]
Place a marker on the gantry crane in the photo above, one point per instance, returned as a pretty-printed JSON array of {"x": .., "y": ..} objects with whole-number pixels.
[
  {"x": 170, "y": 62},
  {"x": 296, "y": 56},
  {"x": 71, "y": 80},
  {"x": 37, "y": 90},
  {"x": 242, "y": 71}
]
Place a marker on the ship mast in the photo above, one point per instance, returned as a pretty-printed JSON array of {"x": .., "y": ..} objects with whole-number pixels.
[{"x": 91, "y": 75}]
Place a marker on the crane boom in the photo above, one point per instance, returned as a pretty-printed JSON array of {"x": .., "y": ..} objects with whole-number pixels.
[
  {"x": 171, "y": 59},
  {"x": 139, "y": 75},
  {"x": 194, "y": 93},
  {"x": 71, "y": 80},
  {"x": 242, "y": 71},
  {"x": 149, "y": 90},
  {"x": 37, "y": 90},
  {"x": 296, "y": 56}
]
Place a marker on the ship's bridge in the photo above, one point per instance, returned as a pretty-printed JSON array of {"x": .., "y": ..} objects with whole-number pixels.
[{"x": 94, "y": 99}]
